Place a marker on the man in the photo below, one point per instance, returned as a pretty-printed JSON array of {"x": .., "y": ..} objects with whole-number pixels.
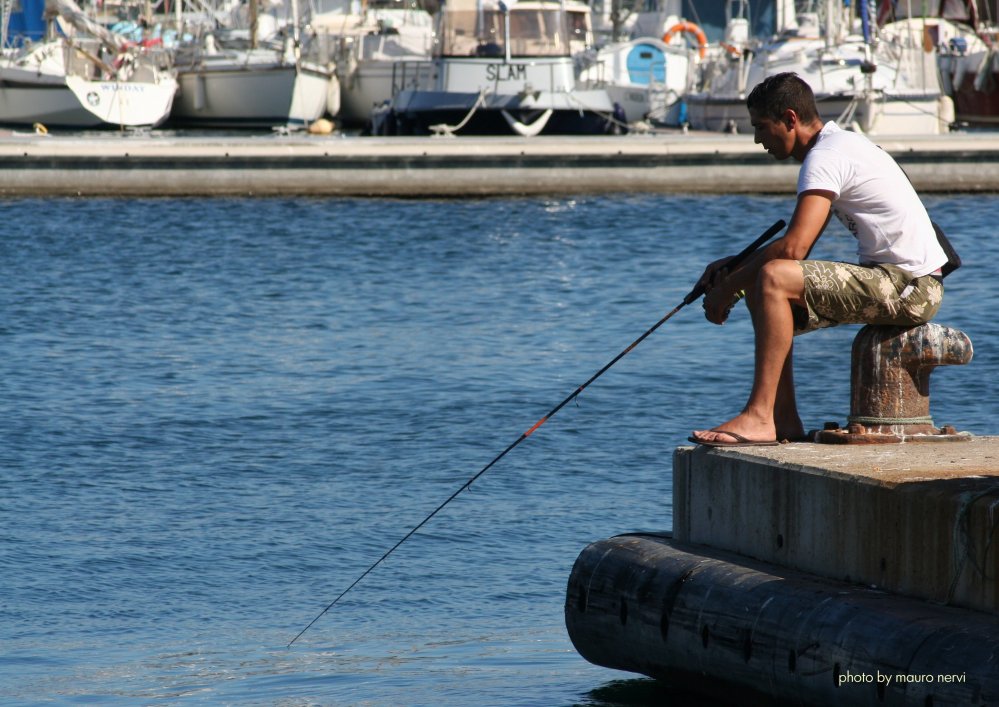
[{"x": 896, "y": 283}]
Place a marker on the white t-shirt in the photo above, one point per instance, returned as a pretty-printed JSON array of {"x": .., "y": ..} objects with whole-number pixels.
[{"x": 874, "y": 200}]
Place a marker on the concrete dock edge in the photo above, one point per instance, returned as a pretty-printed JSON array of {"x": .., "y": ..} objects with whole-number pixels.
[
  {"x": 914, "y": 519},
  {"x": 809, "y": 574},
  {"x": 284, "y": 165}
]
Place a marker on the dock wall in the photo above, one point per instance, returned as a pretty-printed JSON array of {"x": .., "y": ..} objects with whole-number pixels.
[
  {"x": 914, "y": 519},
  {"x": 137, "y": 165},
  {"x": 809, "y": 574}
]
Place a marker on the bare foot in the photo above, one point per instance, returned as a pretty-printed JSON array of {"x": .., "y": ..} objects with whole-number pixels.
[{"x": 745, "y": 425}]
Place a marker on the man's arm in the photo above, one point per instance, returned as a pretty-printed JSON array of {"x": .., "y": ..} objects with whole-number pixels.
[{"x": 811, "y": 214}]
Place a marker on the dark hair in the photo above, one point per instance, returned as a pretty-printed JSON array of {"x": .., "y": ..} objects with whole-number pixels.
[{"x": 775, "y": 94}]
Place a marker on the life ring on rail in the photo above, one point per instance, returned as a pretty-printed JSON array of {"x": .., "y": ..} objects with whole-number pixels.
[{"x": 689, "y": 28}]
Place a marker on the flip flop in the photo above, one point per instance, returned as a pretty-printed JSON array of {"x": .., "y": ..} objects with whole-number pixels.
[{"x": 740, "y": 441}]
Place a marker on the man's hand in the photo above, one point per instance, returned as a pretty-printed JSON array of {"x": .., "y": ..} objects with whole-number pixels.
[
  {"x": 717, "y": 302},
  {"x": 713, "y": 274}
]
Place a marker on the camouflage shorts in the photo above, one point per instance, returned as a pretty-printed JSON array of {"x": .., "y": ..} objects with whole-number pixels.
[{"x": 843, "y": 293}]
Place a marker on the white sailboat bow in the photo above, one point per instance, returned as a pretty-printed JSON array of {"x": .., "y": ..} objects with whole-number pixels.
[{"x": 84, "y": 77}]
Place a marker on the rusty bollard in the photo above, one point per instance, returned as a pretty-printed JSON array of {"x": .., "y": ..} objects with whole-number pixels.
[{"x": 890, "y": 384}]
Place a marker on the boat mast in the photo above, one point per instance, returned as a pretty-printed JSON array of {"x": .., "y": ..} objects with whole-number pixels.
[
  {"x": 785, "y": 15},
  {"x": 253, "y": 24},
  {"x": 830, "y": 29},
  {"x": 5, "y": 9},
  {"x": 505, "y": 9}
]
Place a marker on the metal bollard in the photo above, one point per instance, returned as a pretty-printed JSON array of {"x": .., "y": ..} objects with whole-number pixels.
[{"x": 890, "y": 384}]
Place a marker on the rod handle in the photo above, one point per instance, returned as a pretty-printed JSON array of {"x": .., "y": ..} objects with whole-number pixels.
[{"x": 738, "y": 259}]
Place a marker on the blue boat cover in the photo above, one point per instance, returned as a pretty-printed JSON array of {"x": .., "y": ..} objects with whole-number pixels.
[
  {"x": 646, "y": 63},
  {"x": 26, "y": 23}
]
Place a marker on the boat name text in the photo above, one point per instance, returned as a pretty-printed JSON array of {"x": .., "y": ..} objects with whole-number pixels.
[{"x": 506, "y": 72}]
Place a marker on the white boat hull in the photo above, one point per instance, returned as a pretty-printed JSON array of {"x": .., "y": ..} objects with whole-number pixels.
[
  {"x": 125, "y": 104},
  {"x": 428, "y": 112},
  {"x": 52, "y": 106},
  {"x": 369, "y": 86},
  {"x": 367, "y": 51},
  {"x": 254, "y": 96},
  {"x": 56, "y": 99},
  {"x": 874, "y": 113},
  {"x": 493, "y": 97},
  {"x": 891, "y": 88}
]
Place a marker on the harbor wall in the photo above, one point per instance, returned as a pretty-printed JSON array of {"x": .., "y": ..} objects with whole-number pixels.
[
  {"x": 809, "y": 574},
  {"x": 914, "y": 519},
  {"x": 137, "y": 165}
]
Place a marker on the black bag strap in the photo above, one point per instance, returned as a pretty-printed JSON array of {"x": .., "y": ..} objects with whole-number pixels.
[{"x": 953, "y": 259}]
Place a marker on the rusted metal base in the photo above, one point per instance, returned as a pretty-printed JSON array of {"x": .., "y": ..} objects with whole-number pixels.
[
  {"x": 859, "y": 434},
  {"x": 890, "y": 385}
]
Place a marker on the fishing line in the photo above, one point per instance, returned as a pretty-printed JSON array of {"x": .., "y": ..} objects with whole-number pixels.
[{"x": 691, "y": 296}]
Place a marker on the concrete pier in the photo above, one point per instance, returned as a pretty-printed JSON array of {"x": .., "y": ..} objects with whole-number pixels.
[
  {"x": 281, "y": 165},
  {"x": 800, "y": 574},
  {"x": 915, "y": 519},
  {"x": 757, "y": 634}
]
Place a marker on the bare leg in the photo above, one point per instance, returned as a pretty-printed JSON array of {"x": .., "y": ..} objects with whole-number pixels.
[
  {"x": 779, "y": 284},
  {"x": 786, "y": 418}
]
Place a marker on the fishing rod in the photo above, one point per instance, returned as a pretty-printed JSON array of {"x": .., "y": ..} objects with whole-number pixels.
[{"x": 694, "y": 294}]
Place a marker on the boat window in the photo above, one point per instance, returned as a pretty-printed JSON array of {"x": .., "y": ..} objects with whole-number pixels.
[
  {"x": 538, "y": 32},
  {"x": 579, "y": 26},
  {"x": 533, "y": 32}
]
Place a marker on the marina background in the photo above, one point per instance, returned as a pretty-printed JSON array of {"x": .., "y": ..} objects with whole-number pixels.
[
  {"x": 218, "y": 412},
  {"x": 484, "y": 68}
]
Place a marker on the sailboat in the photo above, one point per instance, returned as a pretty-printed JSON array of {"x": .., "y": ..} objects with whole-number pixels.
[
  {"x": 366, "y": 47},
  {"x": 74, "y": 73},
  {"x": 235, "y": 78},
  {"x": 878, "y": 82},
  {"x": 500, "y": 67}
]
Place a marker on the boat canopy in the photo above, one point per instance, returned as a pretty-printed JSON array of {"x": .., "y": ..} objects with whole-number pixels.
[{"x": 485, "y": 28}]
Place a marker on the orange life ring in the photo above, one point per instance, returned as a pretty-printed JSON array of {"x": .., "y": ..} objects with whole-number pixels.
[{"x": 689, "y": 28}]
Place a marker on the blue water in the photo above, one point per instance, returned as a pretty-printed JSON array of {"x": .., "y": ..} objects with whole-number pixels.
[{"x": 216, "y": 413}]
